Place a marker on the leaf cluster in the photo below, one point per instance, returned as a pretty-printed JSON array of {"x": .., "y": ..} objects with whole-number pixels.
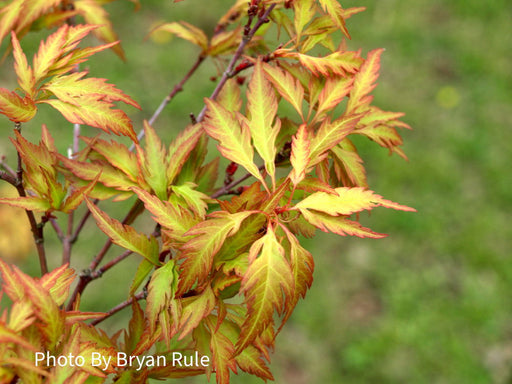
[{"x": 223, "y": 268}]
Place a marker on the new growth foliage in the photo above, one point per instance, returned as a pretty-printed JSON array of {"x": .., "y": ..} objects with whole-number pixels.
[{"x": 223, "y": 269}]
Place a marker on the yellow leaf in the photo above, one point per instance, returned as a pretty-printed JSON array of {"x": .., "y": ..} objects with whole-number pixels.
[
  {"x": 300, "y": 155},
  {"x": 267, "y": 284},
  {"x": 287, "y": 86},
  {"x": 15, "y": 108},
  {"x": 262, "y": 108},
  {"x": 347, "y": 201},
  {"x": 364, "y": 83},
  {"x": 234, "y": 140},
  {"x": 186, "y": 31},
  {"x": 97, "y": 113},
  {"x": 94, "y": 13},
  {"x": 330, "y": 134},
  {"x": 25, "y": 74}
]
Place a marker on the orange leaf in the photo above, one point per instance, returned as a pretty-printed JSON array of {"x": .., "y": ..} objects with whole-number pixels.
[
  {"x": 25, "y": 74},
  {"x": 330, "y": 134},
  {"x": 347, "y": 201},
  {"x": 73, "y": 87},
  {"x": 267, "y": 284},
  {"x": 262, "y": 109},
  {"x": 364, "y": 83},
  {"x": 94, "y": 13},
  {"x": 287, "y": 86},
  {"x": 186, "y": 31},
  {"x": 337, "y": 63},
  {"x": 339, "y": 225},
  {"x": 15, "y": 108},
  {"x": 234, "y": 140},
  {"x": 125, "y": 236},
  {"x": 198, "y": 252},
  {"x": 336, "y": 12},
  {"x": 300, "y": 155},
  {"x": 97, "y": 113}
]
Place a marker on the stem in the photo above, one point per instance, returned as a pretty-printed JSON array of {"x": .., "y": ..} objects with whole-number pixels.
[
  {"x": 87, "y": 277},
  {"x": 117, "y": 308},
  {"x": 177, "y": 88},
  {"x": 229, "y": 72},
  {"x": 37, "y": 229},
  {"x": 225, "y": 189},
  {"x": 100, "y": 271}
]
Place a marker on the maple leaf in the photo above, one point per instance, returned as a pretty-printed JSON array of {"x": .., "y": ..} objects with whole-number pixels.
[
  {"x": 96, "y": 112},
  {"x": 348, "y": 165},
  {"x": 303, "y": 13},
  {"x": 334, "y": 90},
  {"x": 267, "y": 283},
  {"x": 302, "y": 265},
  {"x": 24, "y": 72},
  {"x": 71, "y": 88},
  {"x": 95, "y": 14},
  {"x": 364, "y": 82},
  {"x": 195, "y": 309},
  {"x": 337, "y": 63},
  {"x": 199, "y": 251},
  {"x": 262, "y": 108},
  {"x": 176, "y": 221},
  {"x": 330, "y": 134},
  {"x": 300, "y": 155},
  {"x": 347, "y": 201},
  {"x": 185, "y": 31},
  {"x": 161, "y": 290},
  {"x": 234, "y": 140},
  {"x": 336, "y": 12},
  {"x": 288, "y": 87},
  {"x": 339, "y": 225},
  {"x": 125, "y": 236},
  {"x": 180, "y": 150},
  {"x": 230, "y": 96},
  {"x": 15, "y": 108}
]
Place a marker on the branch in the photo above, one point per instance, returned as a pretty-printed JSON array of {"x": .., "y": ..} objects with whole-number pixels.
[
  {"x": 87, "y": 276},
  {"x": 37, "y": 229},
  {"x": 177, "y": 88},
  {"x": 117, "y": 308},
  {"x": 227, "y": 188},
  {"x": 229, "y": 72}
]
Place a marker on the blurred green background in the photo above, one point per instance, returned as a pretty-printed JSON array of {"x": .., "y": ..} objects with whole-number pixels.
[{"x": 432, "y": 302}]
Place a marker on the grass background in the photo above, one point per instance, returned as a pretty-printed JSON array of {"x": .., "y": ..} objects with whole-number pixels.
[{"x": 431, "y": 303}]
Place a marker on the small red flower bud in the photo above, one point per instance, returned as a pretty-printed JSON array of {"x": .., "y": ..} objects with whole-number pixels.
[{"x": 231, "y": 168}]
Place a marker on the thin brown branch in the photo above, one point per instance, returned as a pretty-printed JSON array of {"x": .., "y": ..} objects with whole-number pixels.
[
  {"x": 177, "y": 88},
  {"x": 6, "y": 176},
  {"x": 37, "y": 229},
  {"x": 86, "y": 277},
  {"x": 230, "y": 70},
  {"x": 139, "y": 296},
  {"x": 227, "y": 188}
]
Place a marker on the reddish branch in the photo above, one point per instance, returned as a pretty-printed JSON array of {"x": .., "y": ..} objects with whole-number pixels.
[
  {"x": 230, "y": 70},
  {"x": 117, "y": 308}
]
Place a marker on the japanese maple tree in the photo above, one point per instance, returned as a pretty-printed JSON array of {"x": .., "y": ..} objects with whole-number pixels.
[{"x": 223, "y": 267}]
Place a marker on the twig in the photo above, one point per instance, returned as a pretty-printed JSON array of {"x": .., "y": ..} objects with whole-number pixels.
[
  {"x": 100, "y": 271},
  {"x": 177, "y": 88},
  {"x": 86, "y": 277},
  {"x": 139, "y": 296},
  {"x": 6, "y": 176},
  {"x": 37, "y": 229},
  {"x": 228, "y": 73},
  {"x": 8, "y": 169},
  {"x": 225, "y": 189}
]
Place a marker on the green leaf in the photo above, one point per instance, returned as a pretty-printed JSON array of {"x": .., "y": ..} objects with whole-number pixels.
[
  {"x": 267, "y": 284},
  {"x": 125, "y": 236}
]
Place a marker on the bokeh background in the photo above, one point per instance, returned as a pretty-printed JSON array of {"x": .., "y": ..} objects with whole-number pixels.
[{"x": 432, "y": 302}]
